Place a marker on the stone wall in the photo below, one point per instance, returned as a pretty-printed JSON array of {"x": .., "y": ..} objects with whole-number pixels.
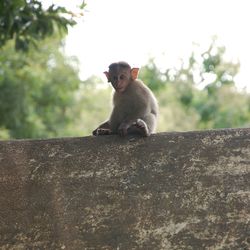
[{"x": 169, "y": 191}]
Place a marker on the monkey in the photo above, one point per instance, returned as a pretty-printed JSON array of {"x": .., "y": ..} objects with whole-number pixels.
[{"x": 135, "y": 107}]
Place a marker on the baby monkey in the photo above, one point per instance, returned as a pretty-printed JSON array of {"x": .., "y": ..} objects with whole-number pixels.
[{"x": 135, "y": 108}]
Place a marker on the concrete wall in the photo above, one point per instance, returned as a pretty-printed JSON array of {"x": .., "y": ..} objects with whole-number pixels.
[{"x": 169, "y": 191}]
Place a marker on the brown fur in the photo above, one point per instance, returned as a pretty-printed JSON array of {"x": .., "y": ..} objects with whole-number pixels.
[{"x": 135, "y": 108}]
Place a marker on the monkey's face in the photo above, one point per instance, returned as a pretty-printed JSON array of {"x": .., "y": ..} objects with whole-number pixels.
[
  {"x": 120, "y": 79},
  {"x": 121, "y": 75}
]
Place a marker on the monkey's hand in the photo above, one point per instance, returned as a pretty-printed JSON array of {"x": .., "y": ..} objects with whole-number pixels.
[{"x": 102, "y": 131}]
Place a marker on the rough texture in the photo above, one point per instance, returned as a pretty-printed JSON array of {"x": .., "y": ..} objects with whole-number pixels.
[{"x": 169, "y": 191}]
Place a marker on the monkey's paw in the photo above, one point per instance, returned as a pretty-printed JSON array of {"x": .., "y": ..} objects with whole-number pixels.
[
  {"x": 102, "y": 131},
  {"x": 142, "y": 126}
]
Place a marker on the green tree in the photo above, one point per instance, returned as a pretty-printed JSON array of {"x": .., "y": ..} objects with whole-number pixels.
[
  {"x": 152, "y": 76},
  {"x": 37, "y": 91},
  {"x": 38, "y": 88},
  {"x": 93, "y": 105},
  {"x": 200, "y": 93},
  {"x": 26, "y": 21}
]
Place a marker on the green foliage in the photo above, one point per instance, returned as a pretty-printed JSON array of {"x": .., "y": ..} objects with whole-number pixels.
[
  {"x": 37, "y": 91},
  {"x": 93, "y": 105},
  {"x": 26, "y": 21},
  {"x": 42, "y": 96},
  {"x": 201, "y": 94},
  {"x": 198, "y": 94},
  {"x": 152, "y": 76}
]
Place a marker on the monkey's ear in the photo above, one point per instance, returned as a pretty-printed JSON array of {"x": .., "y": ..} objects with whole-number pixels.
[
  {"x": 134, "y": 73},
  {"x": 107, "y": 75}
]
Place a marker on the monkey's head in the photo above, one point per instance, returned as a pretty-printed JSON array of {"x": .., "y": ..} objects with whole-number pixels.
[{"x": 120, "y": 75}]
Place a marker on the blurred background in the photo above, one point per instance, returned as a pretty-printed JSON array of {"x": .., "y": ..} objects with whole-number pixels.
[{"x": 194, "y": 55}]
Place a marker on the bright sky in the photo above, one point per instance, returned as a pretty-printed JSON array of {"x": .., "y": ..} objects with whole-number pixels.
[{"x": 134, "y": 30}]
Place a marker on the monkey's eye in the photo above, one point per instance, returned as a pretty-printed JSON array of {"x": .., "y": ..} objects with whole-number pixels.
[{"x": 122, "y": 77}]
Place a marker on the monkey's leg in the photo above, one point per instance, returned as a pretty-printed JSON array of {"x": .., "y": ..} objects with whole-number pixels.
[
  {"x": 123, "y": 128},
  {"x": 150, "y": 120},
  {"x": 143, "y": 128},
  {"x": 130, "y": 127},
  {"x": 139, "y": 127}
]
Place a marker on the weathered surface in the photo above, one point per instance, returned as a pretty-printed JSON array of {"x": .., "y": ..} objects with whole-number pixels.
[{"x": 168, "y": 191}]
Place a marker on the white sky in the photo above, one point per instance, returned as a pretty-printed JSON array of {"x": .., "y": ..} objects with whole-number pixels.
[{"x": 134, "y": 30}]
